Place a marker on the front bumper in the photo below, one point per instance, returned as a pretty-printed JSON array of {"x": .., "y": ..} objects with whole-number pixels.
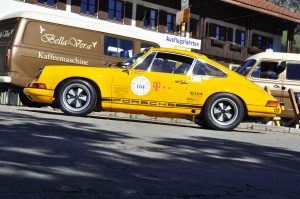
[
  {"x": 5, "y": 79},
  {"x": 40, "y": 95}
]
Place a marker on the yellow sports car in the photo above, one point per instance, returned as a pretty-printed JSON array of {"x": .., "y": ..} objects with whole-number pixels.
[{"x": 156, "y": 82}]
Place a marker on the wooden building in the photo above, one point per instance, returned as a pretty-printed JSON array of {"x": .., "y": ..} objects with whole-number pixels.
[{"x": 229, "y": 30}]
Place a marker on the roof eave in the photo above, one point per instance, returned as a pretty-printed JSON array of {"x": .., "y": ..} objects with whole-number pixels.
[{"x": 250, "y": 7}]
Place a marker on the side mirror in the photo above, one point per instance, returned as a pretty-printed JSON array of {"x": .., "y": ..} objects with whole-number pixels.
[{"x": 281, "y": 67}]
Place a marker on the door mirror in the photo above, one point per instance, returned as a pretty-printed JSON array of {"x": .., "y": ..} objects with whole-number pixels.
[{"x": 281, "y": 67}]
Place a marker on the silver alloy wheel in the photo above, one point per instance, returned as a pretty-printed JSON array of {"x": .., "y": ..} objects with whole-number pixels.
[
  {"x": 76, "y": 97},
  {"x": 224, "y": 111}
]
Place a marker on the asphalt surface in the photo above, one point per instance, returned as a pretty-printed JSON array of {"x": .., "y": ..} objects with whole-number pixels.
[{"x": 45, "y": 154}]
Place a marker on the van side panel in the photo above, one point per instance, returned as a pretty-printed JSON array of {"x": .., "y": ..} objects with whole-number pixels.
[{"x": 43, "y": 44}]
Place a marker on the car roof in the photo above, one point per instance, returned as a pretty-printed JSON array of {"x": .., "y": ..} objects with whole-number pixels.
[
  {"x": 193, "y": 54},
  {"x": 183, "y": 52},
  {"x": 276, "y": 56}
]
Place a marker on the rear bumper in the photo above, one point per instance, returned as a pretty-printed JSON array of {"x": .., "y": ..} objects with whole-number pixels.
[
  {"x": 261, "y": 111},
  {"x": 40, "y": 95},
  {"x": 5, "y": 79}
]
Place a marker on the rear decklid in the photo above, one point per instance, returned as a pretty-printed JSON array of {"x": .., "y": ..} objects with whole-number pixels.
[{"x": 7, "y": 30}]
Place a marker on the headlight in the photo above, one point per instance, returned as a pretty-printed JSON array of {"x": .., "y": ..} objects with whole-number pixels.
[{"x": 39, "y": 73}]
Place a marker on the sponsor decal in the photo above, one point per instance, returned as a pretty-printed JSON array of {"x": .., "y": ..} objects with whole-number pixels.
[
  {"x": 191, "y": 99},
  {"x": 6, "y": 33},
  {"x": 156, "y": 86},
  {"x": 72, "y": 60},
  {"x": 150, "y": 103},
  {"x": 63, "y": 41},
  {"x": 195, "y": 93},
  {"x": 140, "y": 85},
  {"x": 167, "y": 87}
]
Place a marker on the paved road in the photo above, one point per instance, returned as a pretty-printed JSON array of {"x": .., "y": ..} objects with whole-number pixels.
[{"x": 44, "y": 154}]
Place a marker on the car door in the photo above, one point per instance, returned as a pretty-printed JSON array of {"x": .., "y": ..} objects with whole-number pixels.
[{"x": 157, "y": 84}]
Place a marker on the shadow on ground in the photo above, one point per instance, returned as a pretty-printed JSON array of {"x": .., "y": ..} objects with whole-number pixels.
[{"x": 62, "y": 159}]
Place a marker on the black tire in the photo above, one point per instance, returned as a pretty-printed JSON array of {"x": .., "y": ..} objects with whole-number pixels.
[
  {"x": 223, "y": 111},
  {"x": 201, "y": 122},
  {"x": 29, "y": 103},
  {"x": 76, "y": 97}
]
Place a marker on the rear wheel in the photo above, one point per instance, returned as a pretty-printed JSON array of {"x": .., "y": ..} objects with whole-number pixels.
[
  {"x": 223, "y": 112},
  {"x": 77, "y": 97}
]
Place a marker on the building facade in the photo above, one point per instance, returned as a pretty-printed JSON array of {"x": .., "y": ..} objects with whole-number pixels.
[{"x": 229, "y": 30}]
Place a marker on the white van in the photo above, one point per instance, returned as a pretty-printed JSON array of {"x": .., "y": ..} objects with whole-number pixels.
[{"x": 265, "y": 69}]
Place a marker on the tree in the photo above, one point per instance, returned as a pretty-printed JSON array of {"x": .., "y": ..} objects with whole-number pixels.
[{"x": 292, "y": 5}]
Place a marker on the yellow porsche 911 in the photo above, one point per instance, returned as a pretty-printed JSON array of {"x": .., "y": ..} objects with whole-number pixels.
[{"x": 157, "y": 82}]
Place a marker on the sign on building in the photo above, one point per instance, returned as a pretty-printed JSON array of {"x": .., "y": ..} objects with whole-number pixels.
[
  {"x": 182, "y": 16},
  {"x": 184, "y": 43},
  {"x": 184, "y": 4}
]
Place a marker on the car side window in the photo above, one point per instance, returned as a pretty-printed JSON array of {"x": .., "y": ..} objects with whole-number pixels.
[
  {"x": 266, "y": 70},
  {"x": 293, "y": 71},
  {"x": 167, "y": 62},
  {"x": 145, "y": 64},
  {"x": 202, "y": 68},
  {"x": 172, "y": 63}
]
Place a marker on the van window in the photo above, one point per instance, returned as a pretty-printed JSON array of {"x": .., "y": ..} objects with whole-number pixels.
[
  {"x": 7, "y": 30},
  {"x": 293, "y": 71},
  {"x": 266, "y": 70},
  {"x": 117, "y": 47},
  {"x": 202, "y": 68}
]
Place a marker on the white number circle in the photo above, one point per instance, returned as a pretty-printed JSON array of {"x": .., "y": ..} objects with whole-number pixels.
[{"x": 140, "y": 85}]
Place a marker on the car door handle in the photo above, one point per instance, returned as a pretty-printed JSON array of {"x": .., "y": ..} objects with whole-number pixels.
[
  {"x": 276, "y": 86},
  {"x": 181, "y": 81}
]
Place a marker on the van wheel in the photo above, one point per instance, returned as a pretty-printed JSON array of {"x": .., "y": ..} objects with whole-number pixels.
[
  {"x": 27, "y": 102},
  {"x": 223, "y": 112},
  {"x": 76, "y": 97}
]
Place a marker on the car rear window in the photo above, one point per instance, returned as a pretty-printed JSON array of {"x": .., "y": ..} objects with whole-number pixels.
[{"x": 202, "y": 68}]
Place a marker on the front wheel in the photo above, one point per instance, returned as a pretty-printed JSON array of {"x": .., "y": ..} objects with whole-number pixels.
[
  {"x": 77, "y": 97},
  {"x": 223, "y": 112}
]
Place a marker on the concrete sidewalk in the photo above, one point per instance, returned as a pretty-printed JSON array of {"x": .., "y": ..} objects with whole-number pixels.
[
  {"x": 249, "y": 127},
  {"x": 246, "y": 126}
]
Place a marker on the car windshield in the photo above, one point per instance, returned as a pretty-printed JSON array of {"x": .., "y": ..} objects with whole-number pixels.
[
  {"x": 245, "y": 67},
  {"x": 131, "y": 60}
]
